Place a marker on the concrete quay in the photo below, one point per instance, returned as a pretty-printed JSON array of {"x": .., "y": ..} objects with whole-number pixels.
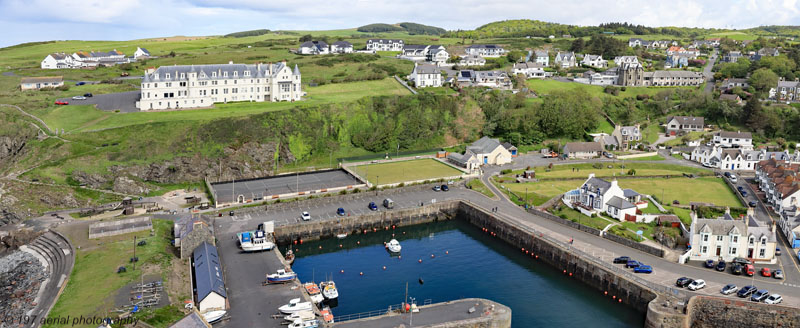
[{"x": 466, "y": 313}]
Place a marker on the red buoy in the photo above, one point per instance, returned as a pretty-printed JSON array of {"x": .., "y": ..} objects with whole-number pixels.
[
  {"x": 384, "y": 267},
  {"x": 420, "y": 261}
]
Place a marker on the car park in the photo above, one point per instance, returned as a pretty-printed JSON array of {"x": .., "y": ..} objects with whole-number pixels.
[
  {"x": 340, "y": 211},
  {"x": 746, "y": 291},
  {"x": 759, "y": 295},
  {"x": 749, "y": 270},
  {"x": 632, "y": 264},
  {"x": 721, "y": 266},
  {"x": 697, "y": 284},
  {"x": 736, "y": 269},
  {"x": 729, "y": 289},
  {"x": 766, "y": 272},
  {"x": 622, "y": 259},
  {"x": 372, "y": 206},
  {"x": 773, "y": 299},
  {"x": 709, "y": 263},
  {"x": 778, "y": 274},
  {"x": 642, "y": 268},
  {"x": 683, "y": 281},
  {"x": 305, "y": 216},
  {"x": 445, "y": 188},
  {"x": 437, "y": 188},
  {"x": 78, "y": 98}
]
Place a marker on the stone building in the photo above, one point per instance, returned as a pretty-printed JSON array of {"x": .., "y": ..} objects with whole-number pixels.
[
  {"x": 631, "y": 74},
  {"x": 189, "y": 233}
]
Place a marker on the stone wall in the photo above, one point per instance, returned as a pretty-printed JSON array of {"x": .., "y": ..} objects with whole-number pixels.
[
  {"x": 199, "y": 234},
  {"x": 708, "y": 311}
]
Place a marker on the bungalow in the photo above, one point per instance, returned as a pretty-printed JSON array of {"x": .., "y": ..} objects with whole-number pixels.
[
  {"x": 737, "y": 139},
  {"x": 141, "y": 53},
  {"x": 484, "y": 151},
  {"x": 596, "y": 61},
  {"x": 583, "y": 150},
  {"x": 541, "y": 57},
  {"x": 621, "y": 209},
  {"x": 341, "y": 47},
  {"x": 731, "y": 83},
  {"x": 41, "y": 82},
  {"x": 385, "y": 45},
  {"x": 735, "y": 99},
  {"x": 426, "y": 75},
  {"x": 565, "y": 59},
  {"x": 485, "y": 50},
  {"x": 491, "y": 79},
  {"x": 627, "y": 136},
  {"x": 314, "y": 48},
  {"x": 768, "y": 52},
  {"x": 58, "y": 61},
  {"x": 472, "y": 60},
  {"x": 531, "y": 70},
  {"x": 684, "y": 124}
]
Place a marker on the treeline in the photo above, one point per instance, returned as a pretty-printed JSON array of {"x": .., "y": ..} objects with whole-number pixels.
[
  {"x": 535, "y": 28},
  {"x": 606, "y": 46},
  {"x": 411, "y": 28},
  {"x": 247, "y": 33}
]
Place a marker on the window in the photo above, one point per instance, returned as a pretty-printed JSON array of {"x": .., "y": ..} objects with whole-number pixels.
[
  {"x": 183, "y": 76},
  {"x": 763, "y": 241},
  {"x": 166, "y": 75},
  {"x": 732, "y": 251},
  {"x": 704, "y": 250},
  {"x": 705, "y": 237},
  {"x": 734, "y": 239},
  {"x": 762, "y": 252},
  {"x": 719, "y": 238},
  {"x": 224, "y": 74},
  {"x": 751, "y": 240}
]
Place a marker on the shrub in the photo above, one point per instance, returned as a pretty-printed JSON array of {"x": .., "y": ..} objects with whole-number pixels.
[
  {"x": 505, "y": 171},
  {"x": 597, "y": 165},
  {"x": 343, "y": 192}
]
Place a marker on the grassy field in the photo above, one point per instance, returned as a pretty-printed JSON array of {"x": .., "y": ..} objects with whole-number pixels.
[
  {"x": 94, "y": 281},
  {"x": 402, "y": 171},
  {"x": 543, "y": 87},
  {"x": 575, "y": 216},
  {"x": 642, "y": 169},
  {"x": 648, "y": 158},
  {"x": 542, "y": 191},
  {"x": 85, "y": 117},
  {"x": 479, "y": 186},
  {"x": 685, "y": 190}
]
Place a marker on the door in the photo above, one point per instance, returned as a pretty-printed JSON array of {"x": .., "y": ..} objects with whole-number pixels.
[
  {"x": 750, "y": 253},
  {"x": 719, "y": 250},
  {"x": 485, "y": 159}
]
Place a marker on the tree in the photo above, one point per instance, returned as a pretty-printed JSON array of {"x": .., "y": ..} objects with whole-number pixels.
[
  {"x": 578, "y": 45},
  {"x": 306, "y": 37},
  {"x": 763, "y": 79}
]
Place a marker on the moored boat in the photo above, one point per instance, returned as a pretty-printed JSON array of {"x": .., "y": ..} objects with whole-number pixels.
[
  {"x": 304, "y": 324},
  {"x": 329, "y": 290},
  {"x": 342, "y": 235},
  {"x": 300, "y": 315},
  {"x": 295, "y": 306},
  {"x": 254, "y": 241},
  {"x": 327, "y": 315},
  {"x": 281, "y": 276},
  {"x": 314, "y": 292},
  {"x": 393, "y": 246},
  {"x": 214, "y": 315}
]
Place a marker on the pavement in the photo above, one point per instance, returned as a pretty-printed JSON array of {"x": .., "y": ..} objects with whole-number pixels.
[
  {"x": 123, "y": 101},
  {"x": 430, "y": 315},
  {"x": 283, "y": 184}
]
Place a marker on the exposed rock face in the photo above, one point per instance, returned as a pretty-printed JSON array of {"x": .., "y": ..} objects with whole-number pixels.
[
  {"x": 67, "y": 201},
  {"x": 89, "y": 179},
  {"x": 11, "y": 146},
  {"x": 22, "y": 275},
  {"x": 126, "y": 185},
  {"x": 8, "y": 217}
]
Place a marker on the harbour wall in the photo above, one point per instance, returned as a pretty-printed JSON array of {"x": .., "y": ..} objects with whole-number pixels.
[{"x": 709, "y": 311}]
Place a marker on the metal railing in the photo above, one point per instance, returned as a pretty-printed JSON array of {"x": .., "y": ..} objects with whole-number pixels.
[{"x": 375, "y": 313}]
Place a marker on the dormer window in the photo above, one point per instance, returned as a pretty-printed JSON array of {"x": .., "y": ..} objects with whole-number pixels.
[
  {"x": 166, "y": 75},
  {"x": 213, "y": 74},
  {"x": 235, "y": 73},
  {"x": 246, "y": 73},
  {"x": 183, "y": 76},
  {"x": 224, "y": 74}
]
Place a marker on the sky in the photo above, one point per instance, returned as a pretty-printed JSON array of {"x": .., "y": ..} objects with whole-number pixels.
[{"x": 42, "y": 20}]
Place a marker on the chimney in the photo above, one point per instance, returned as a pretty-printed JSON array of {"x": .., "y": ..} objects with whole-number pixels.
[
  {"x": 614, "y": 183},
  {"x": 230, "y": 62}
]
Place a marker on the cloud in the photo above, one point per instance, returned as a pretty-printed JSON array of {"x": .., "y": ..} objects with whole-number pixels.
[{"x": 31, "y": 20}]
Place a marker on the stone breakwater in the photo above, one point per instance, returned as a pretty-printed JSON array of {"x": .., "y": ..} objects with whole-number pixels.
[{"x": 21, "y": 276}]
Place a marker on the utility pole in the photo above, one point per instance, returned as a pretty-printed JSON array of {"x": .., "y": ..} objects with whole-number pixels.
[{"x": 134, "y": 252}]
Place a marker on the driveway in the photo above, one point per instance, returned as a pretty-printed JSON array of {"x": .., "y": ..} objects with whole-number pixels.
[{"x": 707, "y": 72}]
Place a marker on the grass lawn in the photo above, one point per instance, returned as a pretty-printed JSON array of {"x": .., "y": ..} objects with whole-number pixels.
[
  {"x": 604, "y": 126},
  {"x": 651, "y": 209},
  {"x": 685, "y": 190},
  {"x": 642, "y": 169},
  {"x": 575, "y": 216},
  {"x": 543, "y": 87},
  {"x": 94, "y": 281},
  {"x": 82, "y": 118},
  {"x": 402, "y": 171},
  {"x": 651, "y": 133},
  {"x": 648, "y": 158},
  {"x": 542, "y": 191},
  {"x": 479, "y": 186}
]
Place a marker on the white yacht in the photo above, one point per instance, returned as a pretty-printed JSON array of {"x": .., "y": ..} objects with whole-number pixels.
[
  {"x": 295, "y": 306},
  {"x": 329, "y": 290},
  {"x": 394, "y": 246}
]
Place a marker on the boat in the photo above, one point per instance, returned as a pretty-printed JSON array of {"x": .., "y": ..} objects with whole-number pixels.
[
  {"x": 342, "y": 235},
  {"x": 314, "y": 292},
  {"x": 214, "y": 315},
  {"x": 295, "y": 306},
  {"x": 394, "y": 246},
  {"x": 300, "y": 315},
  {"x": 282, "y": 276},
  {"x": 254, "y": 241},
  {"x": 304, "y": 324},
  {"x": 329, "y": 290},
  {"x": 289, "y": 257},
  {"x": 327, "y": 315}
]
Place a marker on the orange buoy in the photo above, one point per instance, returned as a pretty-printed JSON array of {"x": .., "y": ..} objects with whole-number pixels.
[
  {"x": 620, "y": 300},
  {"x": 447, "y": 252},
  {"x": 361, "y": 273},
  {"x": 420, "y": 261},
  {"x": 384, "y": 267},
  {"x": 432, "y": 256}
]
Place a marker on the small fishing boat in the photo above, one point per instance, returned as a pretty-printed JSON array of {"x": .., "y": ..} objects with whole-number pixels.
[
  {"x": 314, "y": 292},
  {"x": 329, "y": 290},
  {"x": 214, "y": 315},
  {"x": 254, "y": 241},
  {"x": 393, "y": 246},
  {"x": 304, "y": 324},
  {"x": 327, "y": 315},
  {"x": 300, "y": 315},
  {"x": 289, "y": 257},
  {"x": 295, "y": 306},
  {"x": 282, "y": 276},
  {"x": 341, "y": 235}
]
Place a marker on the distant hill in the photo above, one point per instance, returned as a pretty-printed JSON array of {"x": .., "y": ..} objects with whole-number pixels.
[
  {"x": 528, "y": 27},
  {"x": 411, "y": 28},
  {"x": 247, "y": 33}
]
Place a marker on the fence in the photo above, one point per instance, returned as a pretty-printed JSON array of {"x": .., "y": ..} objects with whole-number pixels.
[{"x": 375, "y": 313}]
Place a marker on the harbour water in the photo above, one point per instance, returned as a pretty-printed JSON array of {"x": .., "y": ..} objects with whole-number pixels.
[{"x": 465, "y": 263}]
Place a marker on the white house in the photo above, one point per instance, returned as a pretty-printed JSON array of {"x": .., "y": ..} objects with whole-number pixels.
[
  {"x": 141, "y": 53},
  {"x": 58, "y": 61},
  {"x": 341, "y": 47},
  {"x": 619, "y": 60},
  {"x": 83, "y": 59},
  {"x": 541, "y": 57},
  {"x": 490, "y": 79},
  {"x": 684, "y": 124},
  {"x": 431, "y": 53},
  {"x": 594, "y": 61},
  {"x": 426, "y": 75},
  {"x": 737, "y": 139},
  {"x": 780, "y": 182},
  {"x": 627, "y": 136},
  {"x": 209, "y": 284},
  {"x": 596, "y": 195},
  {"x": 385, "y": 45},
  {"x": 531, "y": 70},
  {"x": 727, "y": 237},
  {"x": 583, "y": 150},
  {"x": 565, "y": 59},
  {"x": 472, "y": 60},
  {"x": 621, "y": 209},
  {"x": 191, "y": 86},
  {"x": 40, "y": 82},
  {"x": 484, "y": 151},
  {"x": 313, "y": 48},
  {"x": 485, "y": 50}
]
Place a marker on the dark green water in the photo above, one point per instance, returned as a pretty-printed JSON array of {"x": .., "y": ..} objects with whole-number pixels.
[{"x": 467, "y": 263}]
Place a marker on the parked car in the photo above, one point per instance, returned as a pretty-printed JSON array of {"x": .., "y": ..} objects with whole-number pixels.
[
  {"x": 372, "y": 206},
  {"x": 445, "y": 187},
  {"x": 749, "y": 270},
  {"x": 80, "y": 83},
  {"x": 752, "y": 203},
  {"x": 709, "y": 263},
  {"x": 88, "y": 95},
  {"x": 632, "y": 264},
  {"x": 683, "y": 282},
  {"x": 727, "y": 174},
  {"x": 739, "y": 188},
  {"x": 608, "y": 155},
  {"x": 707, "y": 164},
  {"x": 721, "y": 266},
  {"x": 729, "y": 289},
  {"x": 231, "y": 213},
  {"x": 766, "y": 272},
  {"x": 777, "y": 251},
  {"x": 388, "y": 203},
  {"x": 759, "y": 295},
  {"x": 78, "y": 98},
  {"x": 733, "y": 178},
  {"x": 62, "y": 102},
  {"x": 746, "y": 291},
  {"x": 778, "y": 274},
  {"x": 622, "y": 259},
  {"x": 773, "y": 299},
  {"x": 305, "y": 216},
  {"x": 697, "y": 284},
  {"x": 744, "y": 193},
  {"x": 741, "y": 260},
  {"x": 124, "y": 74},
  {"x": 437, "y": 188},
  {"x": 642, "y": 268},
  {"x": 736, "y": 269},
  {"x": 340, "y": 211}
]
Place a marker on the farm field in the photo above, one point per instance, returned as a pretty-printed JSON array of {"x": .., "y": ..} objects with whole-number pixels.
[{"x": 402, "y": 171}]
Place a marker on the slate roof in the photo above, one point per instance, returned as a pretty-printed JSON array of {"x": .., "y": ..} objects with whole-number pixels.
[
  {"x": 527, "y": 65},
  {"x": 145, "y": 50},
  {"x": 204, "y": 72},
  {"x": 759, "y": 229},
  {"x": 382, "y": 41},
  {"x": 192, "y": 320},
  {"x": 342, "y": 44},
  {"x": 427, "y": 69},
  {"x": 58, "y": 56},
  {"x": 484, "y": 145},
  {"x": 575, "y": 147},
  {"x": 185, "y": 225},
  {"x": 674, "y": 74},
  {"x": 620, "y": 203},
  {"x": 207, "y": 271},
  {"x": 459, "y": 158},
  {"x": 731, "y": 134},
  {"x": 314, "y": 44},
  {"x": 541, "y": 53},
  {"x": 688, "y": 120},
  {"x": 722, "y": 226},
  {"x": 732, "y": 97},
  {"x": 629, "y": 193},
  {"x": 42, "y": 79},
  {"x": 630, "y": 131},
  {"x": 595, "y": 184},
  {"x": 508, "y": 146},
  {"x": 483, "y": 46}
]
